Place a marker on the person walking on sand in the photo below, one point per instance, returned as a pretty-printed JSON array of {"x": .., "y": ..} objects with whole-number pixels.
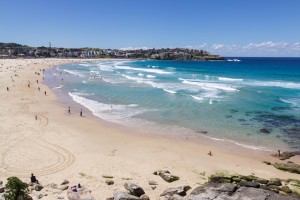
[
  {"x": 39, "y": 89},
  {"x": 69, "y": 110},
  {"x": 37, "y": 81},
  {"x": 45, "y": 93},
  {"x": 7, "y": 88},
  {"x": 80, "y": 112}
]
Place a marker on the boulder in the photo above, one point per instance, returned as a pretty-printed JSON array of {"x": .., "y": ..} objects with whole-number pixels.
[
  {"x": 248, "y": 178},
  {"x": 119, "y": 195},
  {"x": 249, "y": 184},
  {"x": 109, "y": 182},
  {"x": 152, "y": 183},
  {"x": 262, "y": 180},
  {"x": 65, "y": 182},
  {"x": 286, "y": 189},
  {"x": 64, "y": 187},
  {"x": 289, "y": 167},
  {"x": 286, "y": 155},
  {"x": 267, "y": 162},
  {"x": 38, "y": 187},
  {"x": 153, "y": 187},
  {"x": 275, "y": 181},
  {"x": 166, "y": 175},
  {"x": 73, "y": 195},
  {"x": 1, "y": 183},
  {"x": 264, "y": 130},
  {"x": 181, "y": 191},
  {"x": 220, "y": 179},
  {"x": 2, "y": 189},
  {"x": 134, "y": 189},
  {"x": 144, "y": 197}
]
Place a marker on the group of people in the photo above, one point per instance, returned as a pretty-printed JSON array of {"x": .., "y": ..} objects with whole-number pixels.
[{"x": 81, "y": 112}]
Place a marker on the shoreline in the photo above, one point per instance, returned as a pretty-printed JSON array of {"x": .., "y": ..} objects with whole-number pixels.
[{"x": 59, "y": 146}]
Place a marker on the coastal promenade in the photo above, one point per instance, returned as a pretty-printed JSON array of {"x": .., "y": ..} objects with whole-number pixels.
[{"x": 37, "y": 135}]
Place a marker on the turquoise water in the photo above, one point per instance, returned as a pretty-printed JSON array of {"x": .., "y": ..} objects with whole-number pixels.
[{"x": 230, "y": 100}]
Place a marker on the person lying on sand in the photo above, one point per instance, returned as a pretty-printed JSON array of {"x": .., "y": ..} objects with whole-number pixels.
[{"x": 209, "y": 153}]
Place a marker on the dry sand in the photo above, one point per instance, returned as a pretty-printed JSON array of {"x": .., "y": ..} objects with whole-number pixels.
[{"x": 60, "y": 146}]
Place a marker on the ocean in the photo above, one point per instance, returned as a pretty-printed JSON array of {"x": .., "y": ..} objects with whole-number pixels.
[{"x": 221, "y": 100}]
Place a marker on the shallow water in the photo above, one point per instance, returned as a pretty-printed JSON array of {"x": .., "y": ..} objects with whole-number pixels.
[{"x": 221, "y": 100}]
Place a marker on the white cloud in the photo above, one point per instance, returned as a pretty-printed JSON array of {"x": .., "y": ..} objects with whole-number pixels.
[
  {"x": 133, "y": 48},
  {"x": 268, "y": 48}
]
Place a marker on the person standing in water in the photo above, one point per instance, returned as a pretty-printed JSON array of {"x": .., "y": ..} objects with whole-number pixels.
[
  {"x": 81, "y": 112},
  {"x": 69, "y": 110}
]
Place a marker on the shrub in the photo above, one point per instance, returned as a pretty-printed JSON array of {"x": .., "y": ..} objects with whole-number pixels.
[{"x": 15, "y": 189}]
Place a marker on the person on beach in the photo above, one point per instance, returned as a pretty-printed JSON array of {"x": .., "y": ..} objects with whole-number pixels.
[
  {"x": 39, "y": 89},
  {"x": 28, "y": 85},
  {"x": 7, "y": 88},
  {"x": 36, "y": 117},
  {"x": 45, "y": 93},
  {"x": 209, "y": 153},
  {"x": 80, "y": 112},
  {"x": 279, "y": 153},
  {"x": 33, "y": 179},
  {"x": 37, "y": 81},
  {"x": 69, "y": 110},
  {"x": 62, "y": 80}
]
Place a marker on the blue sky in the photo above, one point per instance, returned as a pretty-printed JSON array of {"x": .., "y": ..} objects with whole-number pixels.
[{"x": 226, "y": 27}]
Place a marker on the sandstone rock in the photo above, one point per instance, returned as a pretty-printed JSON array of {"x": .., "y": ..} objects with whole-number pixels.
[
  {"x": 286, "y": 189},
  {"x": 166, "y": 175},
  {"x": 110, "y": 198},
  {"x": 1, "y": 183},
  {"x": 249, "y": 184},
  {"x": 220, "y": 179},
  {"x": 274, "y": 181},
  {"x": 286, "y": 155},
  {"x": 2, "y": 189},
  {"x": 264, "y": 130},
  {"x": 64, "y": 187},
  {"x": 144, "y": 197},
  {"x": 181, "y": 191},
  {"x": 153, "y": 187},
  {"x": 227, "y": 191},
  {"x": 249, "y": 178},
  {"x": 124, "y": 196},
  {"x": 289, "y": 167},
  {"x": 262, "y": 180},
  {"x": 38, "y": 187},
  {"x": 65, "y": 182},
  {"x": 73, "y": 196},
  {"x": 152, "y": 183},
  {"x": 267, "y": 162},
  {"x": 109, "y": 182},
  {"x": 134, "y": 189}
]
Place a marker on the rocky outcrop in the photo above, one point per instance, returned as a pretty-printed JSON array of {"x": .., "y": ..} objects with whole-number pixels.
[
  {"x": 226, "y": 191},
  {"x": 289, "y": 167},
  {"x": 166, "y": 175},
  {"x": 109, "y": 182}
]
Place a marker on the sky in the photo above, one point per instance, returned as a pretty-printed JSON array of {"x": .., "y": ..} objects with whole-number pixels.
[{"x": 224, "y": 27}]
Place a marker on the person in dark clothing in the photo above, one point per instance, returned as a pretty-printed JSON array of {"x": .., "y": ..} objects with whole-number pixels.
[{"x": 33, "y": 179}]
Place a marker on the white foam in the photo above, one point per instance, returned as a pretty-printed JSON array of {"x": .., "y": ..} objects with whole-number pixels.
[
  {"x": 230, "y": 79},
  {"x": 85, "y": 64},
  {"x": 197, "y": 98},
  {"x": 293, "y": 101},
  {"x": 58, "y": 87},
  {"x": 150, "y": 76},
  {"x": 170, "y": 91},
  {"x": 211, "y": 86},
  {"x": 140, "y": 74},
  {"x": 282, "y": 84},
  {"x": 156, "y": 71},
  {"x": 109, "y": 112},
  {"x": 103, "y": 67},
  {"x": 75, "y": 73}
]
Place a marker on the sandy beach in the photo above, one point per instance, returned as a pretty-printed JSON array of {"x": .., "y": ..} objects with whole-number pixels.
[{"x": 57, "y": 145}]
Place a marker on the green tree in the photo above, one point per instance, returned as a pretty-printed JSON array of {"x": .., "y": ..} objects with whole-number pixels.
[{"x": 15, "y": 189}]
